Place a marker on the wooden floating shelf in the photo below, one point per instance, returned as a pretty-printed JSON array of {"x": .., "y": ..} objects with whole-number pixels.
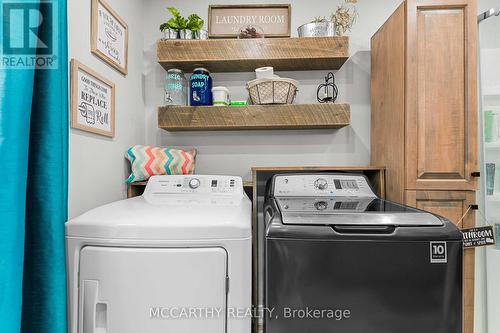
[
  {"x": 254, "y": 117},
  {"x": 244, "y": 55}
]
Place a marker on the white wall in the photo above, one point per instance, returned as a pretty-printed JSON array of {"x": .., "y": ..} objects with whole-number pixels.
[
  {"x": 236, "y": 152},
  {"x": 97, "y": 168}
]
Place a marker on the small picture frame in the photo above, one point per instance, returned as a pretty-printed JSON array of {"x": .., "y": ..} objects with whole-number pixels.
[
  {"x": 109, "y": 36},
  {"x": 225, "y": 21},
  {"x": 92, "y": 101}
]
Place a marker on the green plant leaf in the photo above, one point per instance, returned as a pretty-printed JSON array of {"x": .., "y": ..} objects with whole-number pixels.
[
  {"x": 164, "y": 26},
  {"x": 173, "y": 24},
  {"x": 174, "y": 11},
  {"x": 200, "y": 23},
  {"x": 183, "y": 23},
  {"x": 195, "y": 23}
]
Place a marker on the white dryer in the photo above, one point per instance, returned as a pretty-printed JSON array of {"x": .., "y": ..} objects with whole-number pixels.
[{"x": 177, "y": 259}]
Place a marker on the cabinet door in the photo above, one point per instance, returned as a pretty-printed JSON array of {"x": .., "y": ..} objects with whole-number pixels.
[
  {"x": 441, "y": 115},
  {"x": 453, "y": 205}
]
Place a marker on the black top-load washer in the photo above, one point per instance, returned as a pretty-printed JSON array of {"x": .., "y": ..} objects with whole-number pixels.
[{"x": 340, "y": 259}]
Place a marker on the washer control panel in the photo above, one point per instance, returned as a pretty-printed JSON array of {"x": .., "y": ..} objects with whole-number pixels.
[
  {"x": 328, "y": 185},
  {"x": 194, "y": 184},
  {"x": 320, "y": 205}
]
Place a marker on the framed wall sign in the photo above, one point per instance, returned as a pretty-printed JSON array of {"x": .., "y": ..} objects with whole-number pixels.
[
  {"x": 225, "y": 21},
  {"x": 92, "y": 101},
  {"x": 109, "y": 36}
]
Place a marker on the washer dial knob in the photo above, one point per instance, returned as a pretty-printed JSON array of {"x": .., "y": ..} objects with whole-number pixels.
[
  {"x": 194, "y": 183},
  {"x": 321, "y": 205},
  {"x": 321, "y": 184}
]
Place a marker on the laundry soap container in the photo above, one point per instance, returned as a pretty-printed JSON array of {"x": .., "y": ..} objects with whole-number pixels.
[
  {"x": 220, "y": 96},
  {"x": 177, "y": 259}
]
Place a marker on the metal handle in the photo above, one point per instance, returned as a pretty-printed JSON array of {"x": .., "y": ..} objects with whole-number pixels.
[
  {"x": 94, "y": 312},
  {"x": 476, "y": 174},
  {"x": 364, "y": 229}
]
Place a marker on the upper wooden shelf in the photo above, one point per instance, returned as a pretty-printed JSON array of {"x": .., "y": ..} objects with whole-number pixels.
[
  {"x": 254, "y": 117},
  {"x": 244, "y": 55}
]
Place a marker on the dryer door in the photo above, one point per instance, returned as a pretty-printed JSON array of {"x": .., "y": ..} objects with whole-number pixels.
[{"x": 152, "y": 290}]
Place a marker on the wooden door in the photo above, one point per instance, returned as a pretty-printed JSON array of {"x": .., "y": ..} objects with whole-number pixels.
[
  {"x": 453, "y": 205},
  {"x": 441, "y": 97}
]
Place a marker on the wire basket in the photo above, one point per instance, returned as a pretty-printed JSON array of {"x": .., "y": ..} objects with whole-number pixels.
[{"x": 272, "y": 91}]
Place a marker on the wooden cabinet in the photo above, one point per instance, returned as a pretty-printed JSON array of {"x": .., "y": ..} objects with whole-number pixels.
[
  {"x": 450, "y": 204},
  {"x": 453, "y": 205},
  {"x": 424, "y": 113},
  {"x": 424, "y": 116},
  {"x": 441, "y": 94}
]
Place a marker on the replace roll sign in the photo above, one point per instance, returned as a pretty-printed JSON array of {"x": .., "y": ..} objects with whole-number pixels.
[
  {"x": 92, "y": 101},
  {"x": 226, "y": 20},
  {"x": 109, "y": 36}
]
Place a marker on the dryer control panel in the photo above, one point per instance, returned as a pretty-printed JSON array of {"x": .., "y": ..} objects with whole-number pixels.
[
  {"x": 194, "y": 184},
  {"x": 322, "y": 185}
]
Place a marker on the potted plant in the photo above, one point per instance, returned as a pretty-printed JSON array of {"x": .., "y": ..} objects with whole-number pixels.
[
  {"x": 176, "y": 26},
  {"x": 340, "y": 22},
  {"x": 184, "y": 28},
  {"x": 319, "y": 27},
  {"x": 195, "y": 25}
]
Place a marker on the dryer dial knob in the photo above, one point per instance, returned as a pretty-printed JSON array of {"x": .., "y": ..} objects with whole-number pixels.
[
  {"x": 321, "y": 205},
  {"x": 321, "y": 184},
  {"x": 194, "y": 183}
]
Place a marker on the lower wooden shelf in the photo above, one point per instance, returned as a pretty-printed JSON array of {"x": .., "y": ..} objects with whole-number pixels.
[{"x": 254, "y": 117}]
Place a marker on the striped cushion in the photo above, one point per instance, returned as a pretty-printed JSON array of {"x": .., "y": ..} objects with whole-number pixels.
[{"x": 147, "y": 161}]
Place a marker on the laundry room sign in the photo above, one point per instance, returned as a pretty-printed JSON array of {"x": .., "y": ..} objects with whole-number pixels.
[
  {"x": 480, "y": 236},
  {"x": 109, "y": 36},
  {"x": 226, "y": 21},
  {"x": 92, "y": 101}
]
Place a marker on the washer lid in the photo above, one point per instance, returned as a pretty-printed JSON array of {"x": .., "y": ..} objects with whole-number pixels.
[
  {"x": 352, "y": 211},
  {"x": 173, "y": 208}
]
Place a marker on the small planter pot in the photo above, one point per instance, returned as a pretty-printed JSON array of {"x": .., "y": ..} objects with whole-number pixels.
[
  {"x": 169, "y": 34},
  {"x": 200, "y": 34},
  {"x": 319, "y": 29},
  {"x": 185, "y": 34}
]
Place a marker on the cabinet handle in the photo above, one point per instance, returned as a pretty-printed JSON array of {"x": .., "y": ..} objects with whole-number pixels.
[{"x": 476, "y": 174}]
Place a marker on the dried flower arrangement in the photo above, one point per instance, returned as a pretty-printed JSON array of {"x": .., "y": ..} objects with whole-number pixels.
[{"x": 344, "y": 17}]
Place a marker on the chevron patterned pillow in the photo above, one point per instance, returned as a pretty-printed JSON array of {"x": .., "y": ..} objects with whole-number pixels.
[{"x": 147, "y": 161}]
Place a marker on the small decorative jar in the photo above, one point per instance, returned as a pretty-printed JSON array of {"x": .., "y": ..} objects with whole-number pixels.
[
  {"x": 175, "y": 87},
  {"x": 200, "y": 85}
]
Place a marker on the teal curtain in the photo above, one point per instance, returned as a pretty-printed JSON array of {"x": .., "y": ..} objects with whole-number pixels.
[{"x": 33, "y": 190}]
